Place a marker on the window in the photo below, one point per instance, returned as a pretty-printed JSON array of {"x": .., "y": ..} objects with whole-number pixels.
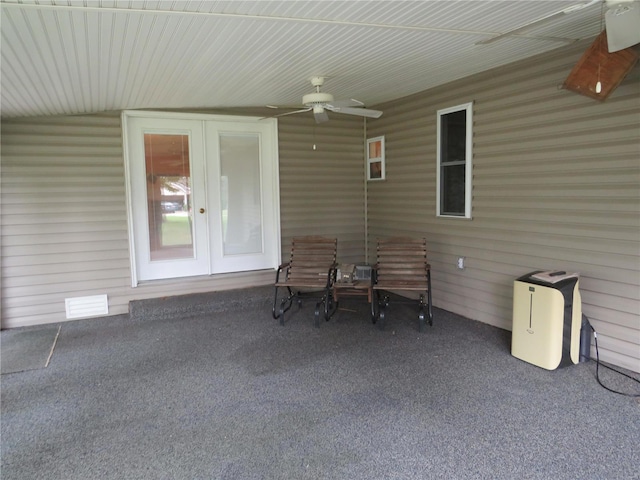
[
  {"x": 455, "y": 140},
  {"x": 375, "y": 158}
]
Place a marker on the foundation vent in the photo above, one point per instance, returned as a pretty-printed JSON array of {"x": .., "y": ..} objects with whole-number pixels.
[{"x": 81, "y": 307}]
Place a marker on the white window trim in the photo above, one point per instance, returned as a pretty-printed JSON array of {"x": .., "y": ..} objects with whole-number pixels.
[
  {"x": 380, "y": 159},
  {"x": 468, "y": 159}
]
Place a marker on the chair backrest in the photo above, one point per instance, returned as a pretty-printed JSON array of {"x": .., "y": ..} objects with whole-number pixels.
[
  {"x": 402, "y": 263},
  {"x": 311, "y": 259}
]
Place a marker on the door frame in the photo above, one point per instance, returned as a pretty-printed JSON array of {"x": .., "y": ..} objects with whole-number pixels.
[{"x": 231, "y": 119}]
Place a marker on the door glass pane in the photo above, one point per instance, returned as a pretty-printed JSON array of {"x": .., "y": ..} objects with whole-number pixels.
[
  {"x": 168, "y": 196},
  {"x": 240, "y": 194}
]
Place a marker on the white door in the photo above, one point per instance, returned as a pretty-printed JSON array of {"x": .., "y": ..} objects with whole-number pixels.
[
  {"x": 242, "y": 182},
  {"x": 203, "y": 194},
  {"x": 167, "y": 194}
]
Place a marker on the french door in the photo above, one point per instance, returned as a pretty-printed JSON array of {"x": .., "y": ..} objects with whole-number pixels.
[{"x": 203, "y": 194}]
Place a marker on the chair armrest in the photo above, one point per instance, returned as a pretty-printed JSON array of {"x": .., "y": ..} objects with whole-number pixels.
[
  {"x": 284, "y": 265},
  {"x": 331, "y": 275},
  {"x": 280, "y": 268}
]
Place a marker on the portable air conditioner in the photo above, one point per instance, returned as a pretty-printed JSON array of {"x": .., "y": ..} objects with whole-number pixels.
[{"x": 547, "y": 317}]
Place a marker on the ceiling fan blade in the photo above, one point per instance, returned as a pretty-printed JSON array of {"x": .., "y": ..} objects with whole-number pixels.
[
  {"x": 352, "y": 102},
  {"x": 363, "y": 112},
  {"x": 321, "y": 117},
  {"x": 276, "y": 107},
  {"x": 291, "y": 113}
]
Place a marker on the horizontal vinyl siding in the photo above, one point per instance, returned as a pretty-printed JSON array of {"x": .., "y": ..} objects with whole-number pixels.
[
  {"x": 64, "y": 222},
  {"x": 556, "y": 185},
  {"x": 64, "y": 230},
  {"x": 322, "y": 190}
]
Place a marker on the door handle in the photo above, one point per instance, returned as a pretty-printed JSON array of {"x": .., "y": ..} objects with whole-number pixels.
[{"x": 202, "y": 210}]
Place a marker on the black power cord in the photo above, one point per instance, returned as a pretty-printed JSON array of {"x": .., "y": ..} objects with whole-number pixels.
[{"x": 595, "y": 337}]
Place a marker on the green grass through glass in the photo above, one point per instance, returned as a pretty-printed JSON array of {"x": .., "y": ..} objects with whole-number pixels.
[{"x": 176, "y": 230}]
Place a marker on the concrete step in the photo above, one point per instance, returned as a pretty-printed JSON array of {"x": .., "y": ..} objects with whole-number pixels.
[{"x": 255, "y": 298}]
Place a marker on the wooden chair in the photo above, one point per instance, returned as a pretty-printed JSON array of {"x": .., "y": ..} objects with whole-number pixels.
[
  {"x": 311, "y": 271},
  {"x": 402, "y": 266}
]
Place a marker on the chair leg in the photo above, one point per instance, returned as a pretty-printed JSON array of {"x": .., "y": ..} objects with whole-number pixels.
[
  {"x": 275, "y": 302},
  {"x": 327, "y": 306},
  {"x": 285, "y": 304},
  {"x": 421, "y": 321},
  {"x": 421, "y": 315},
  {"x": 429, "y": 304},
  {"x": 374, "y": 306},
  {"x": 381, "y": 316},
  {"x": 282, "y": 310},
  {"x": 330, "y": 306},
  {"x": 382, "y": 311}
]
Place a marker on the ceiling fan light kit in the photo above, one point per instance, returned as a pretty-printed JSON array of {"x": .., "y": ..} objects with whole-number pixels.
[{"x": 316, "y": 98}]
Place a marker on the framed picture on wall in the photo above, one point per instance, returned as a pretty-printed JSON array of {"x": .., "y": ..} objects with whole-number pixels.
[{"x": 375, "y": 158}]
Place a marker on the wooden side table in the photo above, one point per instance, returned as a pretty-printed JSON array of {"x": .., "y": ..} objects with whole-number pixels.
[{"x": 357, "y": 288}]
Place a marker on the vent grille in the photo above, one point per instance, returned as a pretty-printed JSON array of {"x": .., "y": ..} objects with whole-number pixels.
[{"x": 81, "y": 307}]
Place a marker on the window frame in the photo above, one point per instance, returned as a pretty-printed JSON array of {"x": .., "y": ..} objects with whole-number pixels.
[
  {"x": 371, "y": 160},
  {"x": 468, "y": 161}
]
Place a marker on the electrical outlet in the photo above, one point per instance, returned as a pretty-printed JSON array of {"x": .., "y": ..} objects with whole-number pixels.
[{"x": 461, "y": 263}]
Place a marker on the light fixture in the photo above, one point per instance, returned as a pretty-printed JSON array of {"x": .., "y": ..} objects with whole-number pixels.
[
  {"x": 314, "y": 138},
  {"x": 599, "y": 83}
]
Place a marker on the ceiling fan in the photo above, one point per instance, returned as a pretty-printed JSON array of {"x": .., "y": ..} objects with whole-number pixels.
[
  {"x": 319, "y": 102},
  {"x": 623, "y": 24},
  {"x": 622, "y": 20}
]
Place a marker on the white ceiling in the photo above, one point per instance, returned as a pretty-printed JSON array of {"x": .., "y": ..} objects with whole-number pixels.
[{"x": 77, "y": 56}]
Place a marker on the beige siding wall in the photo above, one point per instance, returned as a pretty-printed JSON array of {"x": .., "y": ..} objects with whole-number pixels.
[
  {"x": 322, "y": 190},
  {"x": 63, "y": 215},
  {"x": 556, "y": 185},
  {"x": 64, "y": 223}
]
